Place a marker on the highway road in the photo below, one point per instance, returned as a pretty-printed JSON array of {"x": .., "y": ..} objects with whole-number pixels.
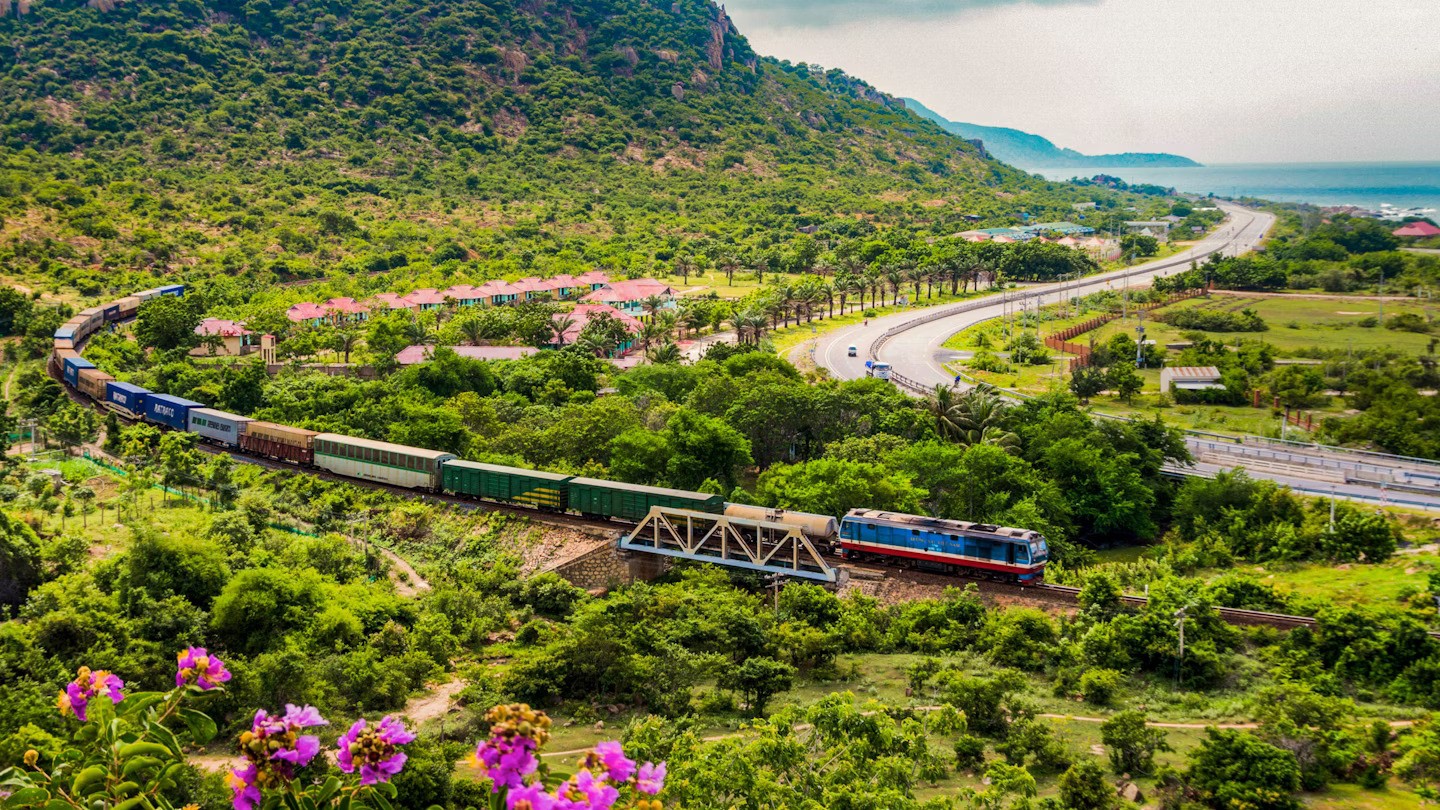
[{"x": 912, "y": 343}]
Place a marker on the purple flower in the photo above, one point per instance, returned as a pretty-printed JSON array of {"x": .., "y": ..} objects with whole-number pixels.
[
  {"x": 200, "y": 667},
  {"x": 651, "y": 779},
  {"x": 243, "y": 785},
  {"x": 86, "y": 686},
  {"x": 506, "y": 762},
  {"x": 530, "y": 797},
  {"x": 374, "y": 749},
  {"x": 585, "y": 792},
  {"x": 611, "y": 757}
]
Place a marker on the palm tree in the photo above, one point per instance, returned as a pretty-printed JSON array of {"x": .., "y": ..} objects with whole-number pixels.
[
  {"x": 874, "y": 283},
  {"x": 940, "y": 406},
  {"x": 684, "y": 266},
  {"x": 728, "y": 265},
  {"x": 345, "y": 340},
  {"x": 895, "y": 278},
  {"x": 472, "y": 330},
  {"x": 559, "y": 326},
  {"x": 761, "y": 265},
  {"x": 980, "y": 416},
  {"x": 667, "y": 322},
  {"x": 914, "y": 274},
  {"x": 652, "y": 304},
  {"x": 668, "y": 352},
  {"x": 649, "y": 333}
]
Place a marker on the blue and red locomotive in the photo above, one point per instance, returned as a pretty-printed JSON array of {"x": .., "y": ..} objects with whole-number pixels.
[{"x": 952, "y": 546}]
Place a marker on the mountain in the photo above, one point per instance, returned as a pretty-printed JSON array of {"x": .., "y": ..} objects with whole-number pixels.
[
  {"x": 1030, "y": 151},
  {"x": 273, "y": 140}
]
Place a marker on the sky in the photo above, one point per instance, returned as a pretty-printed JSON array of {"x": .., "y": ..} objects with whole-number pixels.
[{"x": 1220, "y": 81}]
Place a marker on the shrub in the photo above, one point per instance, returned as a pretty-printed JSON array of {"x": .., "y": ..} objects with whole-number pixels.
[
  {"x": 985, "y": 360},
  {"x": 1408, "y": 322},
  {"x": 1213, "y": 320},
  {"x": 1235, "y": 769},
  {"x": 969, "y": 752},
  {"x": 1099, "y": 686}
]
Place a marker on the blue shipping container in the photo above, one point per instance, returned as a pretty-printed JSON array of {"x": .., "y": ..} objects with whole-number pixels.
[
  {"x": 173, "y": 289},
  {"x": 72, "y": 369},
  {"x": 65, "y": 333},
  {"x": 127, "y": 396},
  {"x": 164, "y": 409}
]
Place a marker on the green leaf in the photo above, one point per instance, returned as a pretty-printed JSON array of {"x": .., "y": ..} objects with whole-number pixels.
[
  {"x": 26, "y": 797},
  {"x": 165, "y": 736},
  {"x": 143, "y": 749},
  {"x": 387, "y": 788},
  {"x": 137, "y": 764},
  {"x": 130, "y": 804},
  {"x": 58, "y": 804},
  {"x": 125, "y": 789},
  {"x": 88, "y": 781},
  {"x": 379, "y": 798},
  {"x": 202, "y": 728},
  {"x": 328, "y": 790},
  {"x": 138, "y": 701},
  {"x": 345, "y": 801}
]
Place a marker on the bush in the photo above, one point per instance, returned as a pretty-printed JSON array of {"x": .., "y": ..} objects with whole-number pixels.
[
  {"x": 1099, "y": 686},
  {"x": 1408, "y": 322},
  {"x": 1084, "y": 787},
  {"x": 1213, "y": 320},
  {"x": 1235, "y": 769},
  {"x": 969, "y": 752},
  {"x": 985, "y": 360}
]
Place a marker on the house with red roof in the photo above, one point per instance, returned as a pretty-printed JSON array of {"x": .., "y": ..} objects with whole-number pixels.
[
  {"x": 392, "y": 301},
  {"x": 629, "y": 296},
  {"x": 494, "y": 293},
  {"x": 594, "y": 279},
  {"x": 532, "y": 288},
  {"x": 583, "y": 313},
  {"x": 307, "y": 312},
  {"x": 565, "y": 285},
  {"x": 347, "y": 310},
  {"x": 412, "y": 355},
  {"x": 1416, "y": 230},
  {"x": 225, "y": 339},
  {"x": 426, "y": 299},
  {"x": 465, "y": 295}
]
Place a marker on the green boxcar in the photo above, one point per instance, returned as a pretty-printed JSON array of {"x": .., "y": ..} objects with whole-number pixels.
[
  {"x": 592, "y": 496},
  {"x": 510, "y": 484}
]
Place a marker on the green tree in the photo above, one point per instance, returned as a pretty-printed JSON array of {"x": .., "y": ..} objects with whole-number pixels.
[
  {"x": 1084, "y": 787},
  {"x": 833, "y": 487},
  {"x": 1086, "y": 382},
  {"x": 167, "y": 322},
  {"x": 19, "y": 560},
  {"x": 1131, "y": 743},
  {"x": 758, "y": 679},
  {"x": 1235, "y": 769},
  {"x": 259, "y": 606},
  {"x": 180, "y": 460},
  {"x": 703, "y": 447},
  {"x": 1124, "y": 380}
]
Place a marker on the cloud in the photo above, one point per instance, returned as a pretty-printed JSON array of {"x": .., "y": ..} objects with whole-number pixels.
[{"x": 827, "y": 13}]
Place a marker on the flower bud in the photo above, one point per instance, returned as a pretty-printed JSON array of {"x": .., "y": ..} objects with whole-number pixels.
[{"x": 31, "y": 757}]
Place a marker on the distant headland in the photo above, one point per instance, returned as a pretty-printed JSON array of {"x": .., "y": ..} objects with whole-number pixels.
[{"x": 1028, "y": 151}]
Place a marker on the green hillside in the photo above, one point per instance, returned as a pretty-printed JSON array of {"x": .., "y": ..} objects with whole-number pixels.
[{"x": 291, "y": 140}]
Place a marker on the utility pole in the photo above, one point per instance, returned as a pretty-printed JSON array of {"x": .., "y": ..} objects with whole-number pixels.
[
  {"x": 1380, "y": 292},
  {"x": 1180, "y": 623}
]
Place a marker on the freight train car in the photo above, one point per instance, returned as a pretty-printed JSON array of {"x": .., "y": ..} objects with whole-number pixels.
[
  {"x": 508, "y": 484},
  {"x": 384, "y": 462},
  {"x": 593, "y": 496},
  {"x": 123, "y": 309},
  {"x": 172, "y": 412},
  {"x": 126, "y": 398},
  {"x": 92, "y": 382},
  {"x": 218, "y": 427},
  {"x": 279, "y": 442},
  {"x": 950, "y": 545},
  {"x": 73, "y": 363}
]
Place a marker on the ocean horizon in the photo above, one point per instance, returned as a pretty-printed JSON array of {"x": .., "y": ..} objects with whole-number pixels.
[{"x": 1367, "y": 185}]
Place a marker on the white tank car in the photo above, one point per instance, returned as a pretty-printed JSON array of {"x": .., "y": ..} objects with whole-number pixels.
[{"x": 814, "y": 526}]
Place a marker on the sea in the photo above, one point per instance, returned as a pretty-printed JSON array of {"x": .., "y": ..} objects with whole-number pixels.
[{"x": 1370, "y": 186}]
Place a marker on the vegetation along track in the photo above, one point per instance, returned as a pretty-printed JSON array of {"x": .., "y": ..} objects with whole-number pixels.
[{"x": 1058, "y": 594}]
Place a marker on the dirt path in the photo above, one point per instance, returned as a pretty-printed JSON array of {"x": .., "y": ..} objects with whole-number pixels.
[
  {"x": 435, "y": 704},
  {"x": 411, "y": 583}
]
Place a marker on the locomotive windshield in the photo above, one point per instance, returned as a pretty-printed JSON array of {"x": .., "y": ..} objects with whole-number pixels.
[{"x": 1039, "y": 550}]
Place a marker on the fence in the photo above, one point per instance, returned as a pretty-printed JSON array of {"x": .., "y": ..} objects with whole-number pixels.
[{"x": 1060, "y": 341}]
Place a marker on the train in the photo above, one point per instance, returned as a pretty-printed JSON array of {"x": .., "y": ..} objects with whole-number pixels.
[{"x": 946, "y": 546}]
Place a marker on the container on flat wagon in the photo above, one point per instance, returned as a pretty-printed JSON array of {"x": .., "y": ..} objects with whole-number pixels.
[
  {"x": 146, "y": 295},
  {"x": 510, "y": 484},
  {"x": 64, "y": 343},
  {"x": 811, "y": 525},
  {"x": 172, "y": 289},
  {"x": 93, "y": 318},
  {"x": 386, "y": 463},
  {"x": 593, "y": 496},
  {"x": 279, "y": 441},
  {"x": 218, "y": 426},
  {"x": 92, "y": 383},
  {"x": 169, "y": 411},
  {"x": 121, "y": 309},
  {"x": 73, "y": 363},
  {"x": 66, "y": 332},
  {"x": 126, "y": 397}
]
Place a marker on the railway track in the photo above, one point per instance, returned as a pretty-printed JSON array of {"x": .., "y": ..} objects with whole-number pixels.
[{"x": 1062, "y": 594}]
